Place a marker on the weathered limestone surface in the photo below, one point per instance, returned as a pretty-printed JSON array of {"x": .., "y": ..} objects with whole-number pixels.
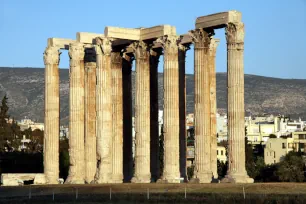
[
  {"x": 235, "y": 46},
  {"x": 51, "y": 133},
  {"x": 213, "y": 106},
  {"x": 156, "y": 32},
  {"x": 117, "y": 149},
  {"x": 154, "y": 131},
  {"x": 142, "y": 114},
  {"x": 202, "y": 172},
  {"x": 87, "y": 38},
  {"x": 122, "y": 33},
  {"x": 104, "y": 110},
  {"x": 182, "y": 107},
  {"x": 18, "y": 179},
  {"x": 90, "y": 116},
  {"x": 61, "y": 43},
  {"x": 218, "y": 20},
  {"x": 77, "y": 115},
  {"x": 127, "y": 117},
  {"x": 171, "y": 173}
]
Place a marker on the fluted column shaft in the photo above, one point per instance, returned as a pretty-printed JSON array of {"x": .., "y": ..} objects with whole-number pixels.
[
  {"x": 171, "y": 173},
  {"x": 127, "y": 118},
  {"x": 52, "y": 111},
  {"x": 202, "y": 172},
  {"x": 90, "y": 116},
  {"x": 76, "y": 123},
  {"x": 117, "y": 149},
  {"x": 154, "y": 131},
  {"x": 142, "y": 114},
  {"x": 182, "y": 107},
  {"x": 104, "y": 111},
  {"x": 236, "y": 132},
  {"x": 213, "y": 106}
]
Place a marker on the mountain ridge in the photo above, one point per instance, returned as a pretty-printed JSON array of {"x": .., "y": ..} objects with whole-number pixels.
[{"x": 25, "y": 90}]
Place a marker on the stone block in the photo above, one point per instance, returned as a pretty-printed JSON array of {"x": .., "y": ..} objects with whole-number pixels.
[
  {"x": 122, "y": 33},
  {"x": 156, "y": 32},
  {"x": 218, "y": 20},
  {"x": 18, "y": 179},
  {"x": 61, "y": 43},
  {"x": 87, "y": 38}
]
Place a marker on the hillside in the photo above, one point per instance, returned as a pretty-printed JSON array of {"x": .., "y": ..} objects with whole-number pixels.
[{"x": 25, "y": 90}]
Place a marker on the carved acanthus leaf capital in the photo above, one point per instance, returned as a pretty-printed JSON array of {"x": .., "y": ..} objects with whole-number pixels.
[
  {"x": 169, "y": 43},
  {"x": 235, "y": 33},
  {"x": 52, "y": 55},
  {"x": 76, "y": 53},
  {"x": 103, "y": 46},
  {"x": 141, "y": 50},
  {"x": 201, "y": 38},
  {"x": 184, "y": 47}
]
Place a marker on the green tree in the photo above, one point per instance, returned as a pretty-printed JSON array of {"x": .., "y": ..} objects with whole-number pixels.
[
  {"x": 291, "y": 168},
  {"x": 222, "y": 168}
]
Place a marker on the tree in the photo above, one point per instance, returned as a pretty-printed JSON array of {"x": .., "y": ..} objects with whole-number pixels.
[
  {"x": 291, "y": 169},
  {"x": 222, "y": 168},
  {"x": 272, "y": 136}
]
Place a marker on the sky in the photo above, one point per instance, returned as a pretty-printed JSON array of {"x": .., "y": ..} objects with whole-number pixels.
[{"x": 275, "y": 30}]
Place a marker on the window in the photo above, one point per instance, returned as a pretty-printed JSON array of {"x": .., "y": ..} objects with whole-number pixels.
[
  {"x": 221, "y": 152},
  {"x": 270, "y": 145},
  {"x": 284, "y": 145},
  {"x": 274, "y": 154},
  {"x": 217, "y": 152},
  {"x": 274, "y": 161}
]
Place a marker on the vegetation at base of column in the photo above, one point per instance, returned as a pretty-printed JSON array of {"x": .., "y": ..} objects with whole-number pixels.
[{"x": 17, "y": 156}]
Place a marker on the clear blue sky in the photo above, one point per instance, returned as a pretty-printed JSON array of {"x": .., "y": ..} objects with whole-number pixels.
[{"x": 275, "y": 39}]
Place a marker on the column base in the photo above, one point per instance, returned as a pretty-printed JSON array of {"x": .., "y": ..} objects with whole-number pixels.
[
  {"x": 74, "y": 181},
  {"x": 237, "y": 178},
  {"x": 202, "y": 178},
  {"x": 169, "y": 179},
  {"x": 141, "y": 179},
  {"x": 117, "y": 179}
]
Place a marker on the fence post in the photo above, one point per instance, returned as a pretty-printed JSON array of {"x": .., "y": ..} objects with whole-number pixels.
[
  {"x": 243, "y": 192},
  {"x": 30, "y": 192},
  {"x": 76, "y": 194},
  {"x": 110, "y": 193},
  {"x": 185, "y": 193},
  {"x": 53, "y": 195},
  {"x": 148, "y": 194}
]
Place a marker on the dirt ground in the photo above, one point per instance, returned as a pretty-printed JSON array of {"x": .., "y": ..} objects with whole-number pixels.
[{"x": 161, "y": 193}]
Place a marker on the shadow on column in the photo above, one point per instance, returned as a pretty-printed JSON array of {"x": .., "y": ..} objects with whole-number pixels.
[{"x": 127, "y": 120}]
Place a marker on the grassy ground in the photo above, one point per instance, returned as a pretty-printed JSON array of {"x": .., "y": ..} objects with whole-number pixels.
[{"x": 157, "y": 193}]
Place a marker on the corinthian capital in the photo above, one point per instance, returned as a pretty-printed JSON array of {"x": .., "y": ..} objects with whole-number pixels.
[
  {"x": 169, "y": 43},
  {"x": 201, "y": 38},
  {"x": 235, "y": 33},
  {"x": 52, "y": 55},
  {"x": 76, "y": 53},
  {"x": 103, "y": 46},
  {"x": 141, "y": 50}
]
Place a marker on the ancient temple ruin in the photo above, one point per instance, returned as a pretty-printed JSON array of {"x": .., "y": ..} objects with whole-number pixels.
[{"x": 101, "y": 103}]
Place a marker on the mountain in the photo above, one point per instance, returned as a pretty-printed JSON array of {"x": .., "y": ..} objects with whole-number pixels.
[{"x": 25, "y": 89}]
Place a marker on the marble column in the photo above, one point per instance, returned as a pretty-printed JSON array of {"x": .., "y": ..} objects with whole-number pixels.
[
  {"x": 77, "y": 119},
  {"x": 171, "y": 173},
  {"x": 52, "y": 111},
  {"x": 117, "y": 149},
  {"x": 213, "y": 106},
  {"x": 202, "y": 171},
  {"x": 182, "y": 107},
  {"x": 127, "y": 117},
  {"x": 235, "y": 111},
  {"x": 90, "y": 115},
  {"x": 142, "y": 114},
  {"x": 104, "y": 110},
  {"x": 154, "y": 126}
]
